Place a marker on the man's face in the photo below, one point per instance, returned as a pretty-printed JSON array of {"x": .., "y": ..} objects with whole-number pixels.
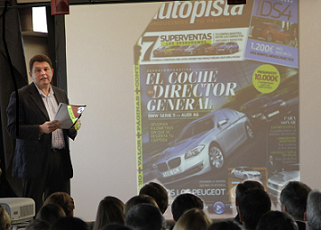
[{"x": 41, "y": 74}]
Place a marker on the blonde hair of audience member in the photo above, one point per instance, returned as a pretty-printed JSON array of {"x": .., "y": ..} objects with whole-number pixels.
[
  {"x": 63, "y": 200},
  {"x": 110, "y": 211},
  {"x": 193, "y": 219},
  {"x": 140, "y": 199},
  {"x": 5, "y": 221}
]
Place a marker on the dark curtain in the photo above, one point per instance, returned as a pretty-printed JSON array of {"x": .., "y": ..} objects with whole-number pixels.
[{"x": 13, "y": 75}]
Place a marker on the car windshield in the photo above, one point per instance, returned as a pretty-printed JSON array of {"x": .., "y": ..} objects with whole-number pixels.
[
  {"x": 218, "y": 44},
  {"x": 292, "y": 167},
  {"x": 247, "y": 169},
  {"x": 196, "y": 128},
  {"x": 262, "y": 25},
  {"x": 252, "y": 105}
]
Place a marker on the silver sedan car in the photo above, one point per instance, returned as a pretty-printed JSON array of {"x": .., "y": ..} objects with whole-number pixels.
[{"x": 203, "y": 145}]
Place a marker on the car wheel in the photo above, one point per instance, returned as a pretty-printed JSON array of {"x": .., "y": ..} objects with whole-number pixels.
[
  {"x": 244, "y": 177},
  {"x": 269, "y": 38},
  {"x": 249, "y": 131},
  {"x": 216, "y": 157}
]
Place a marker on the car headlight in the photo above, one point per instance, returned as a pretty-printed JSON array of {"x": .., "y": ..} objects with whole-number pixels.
[
  {"x": 256, "y": 115},
  {"x": 194, "y": 152},
  {"x": 283, "y": 103}
]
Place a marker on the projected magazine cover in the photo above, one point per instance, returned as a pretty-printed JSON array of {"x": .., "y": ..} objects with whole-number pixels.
[{"x": 207, "y": 116}]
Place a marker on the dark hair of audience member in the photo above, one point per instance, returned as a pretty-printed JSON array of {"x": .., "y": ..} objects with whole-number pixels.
[
  {"x": 185, "y": 202},
  {"x": 276, "y": 220},
  {"x": 5, "y": 221},
  {"x": 37, "y": 224},
  {"x": 69, "y": 223},
  {"x": 63, "y": 200},
  {"x": 228, "y": 224},
  {"x": 241, "y": 188},
  {"x": 110, "y": 210},
  {"x": 140, "y": 199},
  {"x": 144, "y": 217},
  {"x": 294, "y": 198},
  {"x": 50, "y": 213},
  {"x": 159, "y": 194},
  {"x": 193, "y": 219},
  {"x": 116, "y": 227},
  {"x": 252, "y": 206}
]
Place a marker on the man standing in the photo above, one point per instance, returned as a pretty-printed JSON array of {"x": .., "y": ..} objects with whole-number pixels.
[{"x": 42, "y": 156}]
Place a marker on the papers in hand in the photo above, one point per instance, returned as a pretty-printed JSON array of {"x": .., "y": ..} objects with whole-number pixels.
[{"x": 68, "y": 115}]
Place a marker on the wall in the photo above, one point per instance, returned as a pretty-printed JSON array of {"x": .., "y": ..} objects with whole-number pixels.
[
  {"x": 34, "y": 45},
  {"x": 310, "y": 84},
  {"x": 101, "y": 76}
]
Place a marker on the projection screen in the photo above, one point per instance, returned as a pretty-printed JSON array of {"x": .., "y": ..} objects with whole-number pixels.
[{"x": 212, "y": 100}]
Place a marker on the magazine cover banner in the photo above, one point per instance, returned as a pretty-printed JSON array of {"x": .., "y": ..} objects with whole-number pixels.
[{"x": 209, "y": 113}]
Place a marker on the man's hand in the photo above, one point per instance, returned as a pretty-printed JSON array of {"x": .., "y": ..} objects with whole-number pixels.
[{"x": 49, "y": 126}]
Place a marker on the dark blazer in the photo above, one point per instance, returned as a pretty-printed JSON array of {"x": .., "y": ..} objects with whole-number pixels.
[{"x": 32, "y": 149}]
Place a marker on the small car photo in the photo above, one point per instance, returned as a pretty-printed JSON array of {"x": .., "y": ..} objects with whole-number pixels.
[
  {"x": 179, "y": 51},
  {"x": 159, "y": 52},
  {"x": 278, "y": 181},
  {"x": 201, "y": 48},
  {"x": 213, "y": 48},
  {"x": 169, "y": 50},
  {"x": 203, "y": 145},
  {"x": 191, "y": 50},
  {"x": 270, "y": 32},
  {"x": 228, "y": 47},
  {"x": 264, "y": 109},
  {"x": 245, "y": 172}
]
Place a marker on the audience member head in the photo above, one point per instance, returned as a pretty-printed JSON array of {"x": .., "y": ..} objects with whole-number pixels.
[
  {"x": 159, "y": 194},
  {"x": 294, "y": 199},
  {"x": 5, "y": 221},
  {"x": 228, "y": 224},
  {"x": 193, "y": 219},
  {"x": 50, "y": 213},
  {"x": 144, "y": 217},
  {"x": 69, "y": 223},
  {"x": 110, "y": 210},
  {"x": 241, "y": 188},
  {"x": 140, "y": 199},
  {"x": 184, "y": 202},
  {"x": 63, "y": 200},
  {"x": 313, "y": 213},
  {"x": 116, "y": 227},
  {"x": 38, "y": 225},
  {"x": 276, "y": 220},
  {"x": 252, "y": 206}
]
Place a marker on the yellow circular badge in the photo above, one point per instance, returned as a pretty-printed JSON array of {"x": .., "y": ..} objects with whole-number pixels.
[{"x": 266, "y": 78}]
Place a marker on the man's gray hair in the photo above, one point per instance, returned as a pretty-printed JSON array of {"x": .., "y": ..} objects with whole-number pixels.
[
  {"x": 294, "y": 197},
  {"x": 314, "y": 210}
]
